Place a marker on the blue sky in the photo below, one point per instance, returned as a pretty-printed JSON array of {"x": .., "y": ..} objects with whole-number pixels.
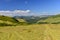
[{"x": 35, "y": 6}]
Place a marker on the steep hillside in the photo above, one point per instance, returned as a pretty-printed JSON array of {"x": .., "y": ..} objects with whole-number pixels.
[{"x": 7, "y": 20}]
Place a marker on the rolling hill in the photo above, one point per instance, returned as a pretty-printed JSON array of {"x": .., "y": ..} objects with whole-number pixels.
[
  {"x": 55, "y": 19},
  {"x": 5, "y": 20}
]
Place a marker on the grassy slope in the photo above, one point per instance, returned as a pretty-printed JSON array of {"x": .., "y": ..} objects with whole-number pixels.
[
  {"x": 31, "y": 32},
  {"x": 7, "y": 20},
  {"x": 52, "y": 19}
]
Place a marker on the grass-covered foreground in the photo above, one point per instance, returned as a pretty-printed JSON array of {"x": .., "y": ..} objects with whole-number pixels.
[{"x": 31, "y": 32}]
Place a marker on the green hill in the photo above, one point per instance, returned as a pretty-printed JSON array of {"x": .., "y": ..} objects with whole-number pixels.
[
  {"x": 55, "y": 19},
  {"x": 5, "y": 20}
]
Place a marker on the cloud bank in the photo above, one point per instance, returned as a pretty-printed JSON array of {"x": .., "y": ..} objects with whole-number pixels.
[{"x": 15, "y": 12}]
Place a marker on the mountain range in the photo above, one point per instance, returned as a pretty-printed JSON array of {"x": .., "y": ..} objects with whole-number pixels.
[{"x": 20, "y": 20}]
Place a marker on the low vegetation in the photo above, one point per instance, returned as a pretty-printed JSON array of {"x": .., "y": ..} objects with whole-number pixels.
[{"x": 31, "y": 32}]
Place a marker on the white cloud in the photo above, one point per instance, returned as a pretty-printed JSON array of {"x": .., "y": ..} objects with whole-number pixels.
[
  {"x": 15, "y": 12},
  {"x": 21, "y": 11}
]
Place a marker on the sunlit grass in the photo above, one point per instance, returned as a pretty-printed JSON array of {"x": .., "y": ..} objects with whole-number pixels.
[{"x": 31, "y": 32}]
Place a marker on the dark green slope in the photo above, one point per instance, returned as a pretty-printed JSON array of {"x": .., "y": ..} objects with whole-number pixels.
[{"x": 5, "y": 20}]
